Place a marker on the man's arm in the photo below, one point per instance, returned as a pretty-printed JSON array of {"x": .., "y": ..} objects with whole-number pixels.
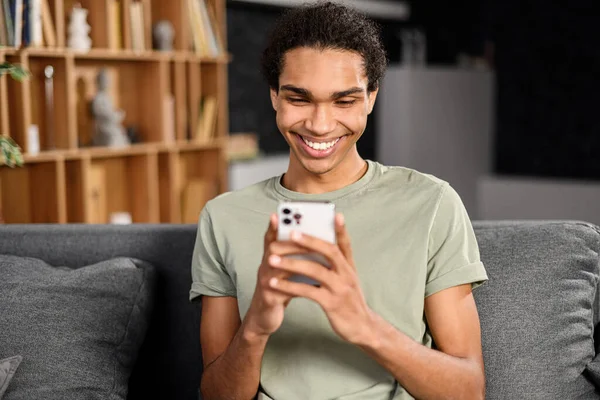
[
  {"x": 455, "y": 370},
  {"x": 231, "y": 357},
  {"x": 233, "y": 349}
]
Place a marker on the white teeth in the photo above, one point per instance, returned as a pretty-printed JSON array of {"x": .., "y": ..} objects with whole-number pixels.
[{"x": 321, "y": 146}]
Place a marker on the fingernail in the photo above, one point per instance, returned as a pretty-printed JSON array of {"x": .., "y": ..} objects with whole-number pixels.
[
  {"x": 274, "y": 260},
  {"x": 341, "y": 219},
  {"x": 273, "y": 282},
  {"x": 296, "y": 235}
]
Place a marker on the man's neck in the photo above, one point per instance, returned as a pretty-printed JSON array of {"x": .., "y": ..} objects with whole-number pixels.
[{"x": 350, "y": 170}]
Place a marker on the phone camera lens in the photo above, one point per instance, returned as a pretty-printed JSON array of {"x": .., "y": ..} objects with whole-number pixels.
[
  {"x": 287, "y": 211},
  {"x": 287, "y": 221}
]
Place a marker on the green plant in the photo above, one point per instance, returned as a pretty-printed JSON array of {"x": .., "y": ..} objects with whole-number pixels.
[
  {"x": 15, "y": 71},
  {"x": 10, "y": 152}
]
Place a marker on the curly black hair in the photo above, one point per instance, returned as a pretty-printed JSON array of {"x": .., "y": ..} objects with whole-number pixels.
[{"x": 325, "y": 25}]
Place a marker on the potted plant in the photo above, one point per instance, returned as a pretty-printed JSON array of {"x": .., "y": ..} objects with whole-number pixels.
[{"x": 10, "y": 152}]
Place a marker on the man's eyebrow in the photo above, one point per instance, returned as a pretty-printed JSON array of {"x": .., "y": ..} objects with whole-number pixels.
[
  {"x": 334, "y": 95},
  {"x": 297, "y": 90},
  {"x": 344, "y": 93}
]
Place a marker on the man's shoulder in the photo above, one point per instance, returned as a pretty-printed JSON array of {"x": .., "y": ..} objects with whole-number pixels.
[{"x": 399, "y": 177}]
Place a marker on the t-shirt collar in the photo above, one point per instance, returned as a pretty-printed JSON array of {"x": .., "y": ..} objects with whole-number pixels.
[{"x": 286, "y": 194}]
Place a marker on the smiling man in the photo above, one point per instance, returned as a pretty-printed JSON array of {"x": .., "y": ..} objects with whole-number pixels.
[{"x": 394, "y": 317}]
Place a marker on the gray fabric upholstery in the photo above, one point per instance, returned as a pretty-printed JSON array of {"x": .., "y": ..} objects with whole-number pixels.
[
  {"x": 539, "y": 308},
  {"x": 534, "y": 287},
  {"x": 169, "y": 364},
  {"x": 8, "y": 367},
  {"x": 78, "y": 330}
]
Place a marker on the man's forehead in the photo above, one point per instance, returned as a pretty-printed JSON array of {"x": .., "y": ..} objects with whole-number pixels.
[
  {"x": 330, "y": 71},
  {"x": 308, "y": 60}
]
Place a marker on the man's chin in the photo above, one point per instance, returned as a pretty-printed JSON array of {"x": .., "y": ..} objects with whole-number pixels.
[{"x": 318, "y": 167}]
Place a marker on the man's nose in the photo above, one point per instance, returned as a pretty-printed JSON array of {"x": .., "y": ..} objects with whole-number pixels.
[{"x": 322, "y": 120}]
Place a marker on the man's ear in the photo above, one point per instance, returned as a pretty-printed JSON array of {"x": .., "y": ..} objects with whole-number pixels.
[
  {"x": 274, "y": 96},
  {"x": 372, "y": 98}
]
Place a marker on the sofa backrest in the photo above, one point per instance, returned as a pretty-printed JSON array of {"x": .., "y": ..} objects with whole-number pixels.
[
  {"x": 538, "y": 311},
  {"x": 169, "y": 365}
]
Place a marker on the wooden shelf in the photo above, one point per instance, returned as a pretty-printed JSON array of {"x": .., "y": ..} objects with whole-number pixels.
[
  {"x": 121, "y": 54},
  {"x": 161, "y": 95},
  {"x": 111, "y": 152}
]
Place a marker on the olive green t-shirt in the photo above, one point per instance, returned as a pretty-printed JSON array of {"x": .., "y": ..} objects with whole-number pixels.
[{"x": 411, "y": 237}]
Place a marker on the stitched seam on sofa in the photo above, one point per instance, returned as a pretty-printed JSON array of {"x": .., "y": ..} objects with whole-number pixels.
[
  {"x": 118, "y": 348},
  {"x": 594, "y": 227}
]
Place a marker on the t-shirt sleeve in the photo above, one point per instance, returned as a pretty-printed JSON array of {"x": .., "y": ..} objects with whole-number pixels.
[
  {"x": 209, "y": 275},
  {"x": 453, "y": 252}
]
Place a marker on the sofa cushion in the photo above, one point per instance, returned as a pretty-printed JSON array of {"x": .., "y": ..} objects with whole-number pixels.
[
  {"x": 78, "y": 330},
  {"x": 538, "y": 309},
  {"x": 8, "y": 367}
]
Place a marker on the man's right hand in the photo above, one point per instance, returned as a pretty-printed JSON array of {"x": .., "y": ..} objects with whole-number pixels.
[{"x": 266, "y": 311}]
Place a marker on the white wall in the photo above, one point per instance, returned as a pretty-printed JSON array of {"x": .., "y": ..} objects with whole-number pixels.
[
  {"x": 438, "y": 121},
  {"x": 245, "y": 173},
  {"x": 535, "y": 198}
]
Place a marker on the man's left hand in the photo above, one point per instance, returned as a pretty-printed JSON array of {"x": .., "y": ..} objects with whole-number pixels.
[{"x": 340, "y": 294}]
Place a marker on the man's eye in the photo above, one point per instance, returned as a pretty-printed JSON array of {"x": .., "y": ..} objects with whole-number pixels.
[
  {"x": 298, "y": 100},
  {"x": 346, "y": 102}
]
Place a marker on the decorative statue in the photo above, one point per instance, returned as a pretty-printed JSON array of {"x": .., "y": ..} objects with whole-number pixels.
[
  {"x": 163, "y": 34},
  {"x": 108, "y": 120},
  {"x": 79, "y": 30}
]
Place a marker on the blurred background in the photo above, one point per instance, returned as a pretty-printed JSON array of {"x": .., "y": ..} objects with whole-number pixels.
[{"x": 152, "y": 107}]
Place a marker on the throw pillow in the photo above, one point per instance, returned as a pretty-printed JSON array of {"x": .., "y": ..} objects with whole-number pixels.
[
  {"x": 8, "y": 367},
  {"x": 537, "y": 311},
  {"x": 79, "y": 330}
]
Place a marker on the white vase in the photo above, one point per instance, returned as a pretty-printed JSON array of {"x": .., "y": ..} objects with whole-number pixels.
[{"x": 79, "y": 30}]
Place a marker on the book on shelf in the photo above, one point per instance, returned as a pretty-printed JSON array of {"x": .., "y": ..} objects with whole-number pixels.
[
  {"x": 35, "y": 23},
  {"x": 48, "y": 28},
  {"x": 207, "y": 119},
  {"x": 3, "y": 29},
  {"x": 26, "y": 23},
  {"x": 15, "y": 14},
  {"x": 206, "y": 40},
  {"x": 136, "y": 14},
  {"x": 115, "y": 25},
  {"x": 169, "y": 118}
]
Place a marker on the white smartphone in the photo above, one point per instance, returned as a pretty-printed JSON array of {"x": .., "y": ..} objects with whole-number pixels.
[{"x": 311, "y": 218}]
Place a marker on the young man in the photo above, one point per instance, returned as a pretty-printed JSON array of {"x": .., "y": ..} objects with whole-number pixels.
[{"x": 402, "y": 271}]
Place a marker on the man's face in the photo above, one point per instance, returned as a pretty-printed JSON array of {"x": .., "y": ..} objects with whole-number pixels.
[{"x": 322, "y": 105}]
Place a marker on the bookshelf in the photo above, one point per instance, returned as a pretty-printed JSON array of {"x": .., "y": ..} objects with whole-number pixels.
[{"x": 175, "y": 100}]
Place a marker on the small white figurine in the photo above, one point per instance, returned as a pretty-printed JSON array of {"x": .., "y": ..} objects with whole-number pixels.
[{"x": 79, "y": 30}]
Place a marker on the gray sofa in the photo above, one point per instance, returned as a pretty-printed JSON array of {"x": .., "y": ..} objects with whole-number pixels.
[{"x": 538, "y": 312}]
